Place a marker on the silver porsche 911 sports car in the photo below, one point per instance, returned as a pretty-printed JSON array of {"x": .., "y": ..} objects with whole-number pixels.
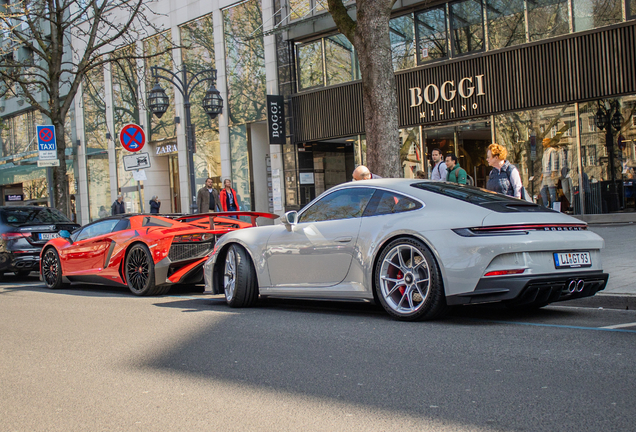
[{"x": 415, "y": 247}]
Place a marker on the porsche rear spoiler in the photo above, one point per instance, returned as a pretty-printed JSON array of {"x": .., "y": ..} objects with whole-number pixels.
[{"x": 252, "y": 215}]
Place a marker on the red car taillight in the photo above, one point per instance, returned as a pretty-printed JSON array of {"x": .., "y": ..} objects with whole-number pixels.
[{"x": 199, "y": 237}]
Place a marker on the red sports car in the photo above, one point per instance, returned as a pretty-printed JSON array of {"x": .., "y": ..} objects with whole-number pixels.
[{"x": 147, "y": 253}]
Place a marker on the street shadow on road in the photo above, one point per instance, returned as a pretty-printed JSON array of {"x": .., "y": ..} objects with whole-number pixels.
[{"x": 462, "y": 369}]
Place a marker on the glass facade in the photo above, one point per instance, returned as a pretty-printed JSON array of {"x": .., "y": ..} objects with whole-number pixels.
[
  {"x": 95, "y": 129},
  {"x": 467, "y": 22},
  {"x": 589, "y": 14},
  {"x": 431, "y": 35},
  {"x": 197, "y": 38},
  {"x": 402, "y": 42},
  {"x": 506, "y": 23},
  {"x": 18, "y": 133}
]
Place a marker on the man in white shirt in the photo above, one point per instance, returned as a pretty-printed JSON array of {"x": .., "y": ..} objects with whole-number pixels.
[{"x": 439, "y": 169}]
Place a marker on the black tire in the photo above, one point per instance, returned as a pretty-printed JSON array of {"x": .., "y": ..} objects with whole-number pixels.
[
  {"x": 239, "y": 278},
  {"x": 139, "y": 269},
  {"x": 52, "y": 269},
  {"x": 408, "y": 283}
]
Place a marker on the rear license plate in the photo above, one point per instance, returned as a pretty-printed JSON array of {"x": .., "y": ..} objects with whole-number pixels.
[
  {"x": 48, "y": 236},
  {"x": 572, "y": 259}
]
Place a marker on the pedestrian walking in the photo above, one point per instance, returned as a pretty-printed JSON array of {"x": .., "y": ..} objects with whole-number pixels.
[
  {"x": 119, "y": 206},
  {"x": 504, "y": 177},
  {"x": 155, "y": 204},
  {"x": 208, "y": 198},
  {"x": 228, "y": 197},
  {"x": 439, "y": 168},
  {"x": 456, "y": 174}
]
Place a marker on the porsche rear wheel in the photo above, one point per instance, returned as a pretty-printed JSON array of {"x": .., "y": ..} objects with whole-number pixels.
[
  {"x": 239, "y": 278},
  {"x": 408, "y": 283},
  {"x": 52, "y": 269},
  {"x": 140, "y": 271}
]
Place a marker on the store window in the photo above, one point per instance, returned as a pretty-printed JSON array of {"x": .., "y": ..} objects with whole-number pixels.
[
  {"x": 631, "y": 12},
  {"x": 589, "y": 14},
  {"x": 547, "y": 18},
  {"x": 245, "y": 62},
  {"x": 299, "y": 9},
  {"x": 506, "y": 23},
  {"x": 197, "y": 54},
  {"x": 341, "y": 62},
  {"x": 19, "y": 132},
  {"x": 411, "y": 152},
  {"x": 402, "y": 42},
  {"x": 159, "y": 50},
  {"x": 310, "y": 65},
  {"x": 432, "y": 37},
  {"x": 467, "y": 25},
  {"x": 95, "y": 129},
  {"x": 240, "y": 156},
  {"x": 544, "y": 149}
]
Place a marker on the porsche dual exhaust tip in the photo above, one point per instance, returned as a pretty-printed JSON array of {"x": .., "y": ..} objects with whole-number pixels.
[{"x": 575, "y": 286}]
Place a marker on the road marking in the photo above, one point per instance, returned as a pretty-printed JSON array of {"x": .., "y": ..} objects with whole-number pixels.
[
  {"x": 608, "y": 329},
  {"x": 617, "y": 326}
]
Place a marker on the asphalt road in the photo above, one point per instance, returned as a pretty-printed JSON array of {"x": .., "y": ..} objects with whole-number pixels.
[{"x": 100, "y": 359}]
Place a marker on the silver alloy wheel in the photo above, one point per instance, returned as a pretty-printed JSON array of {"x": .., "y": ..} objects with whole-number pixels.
[
  {"x": 405, "y": 279},
  {"x": 229, "y": 276}
]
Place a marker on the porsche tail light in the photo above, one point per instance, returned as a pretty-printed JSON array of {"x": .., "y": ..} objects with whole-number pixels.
[
  {"x": 505, "y": 272},
  {"x": 517, "y": 229},
  {"x": 12, "y": 236},
  {"x": 187, "y": 238}
]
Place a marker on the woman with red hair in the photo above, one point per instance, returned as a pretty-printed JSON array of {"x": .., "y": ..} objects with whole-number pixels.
[{"x": 504, "y": 177}]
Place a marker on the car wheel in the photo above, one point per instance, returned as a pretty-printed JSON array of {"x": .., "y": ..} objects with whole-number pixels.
[
  {"x": 52, "y": 269},
  {"x": 407, "y": 281},
  {"x": 239, "y": 278},
  {"x": 140, "y": 271}
]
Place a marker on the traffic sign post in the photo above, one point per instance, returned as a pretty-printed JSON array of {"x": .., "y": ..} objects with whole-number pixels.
[
  {"x": 136, "y": 161},
  {"x": 132, "y": 137}
]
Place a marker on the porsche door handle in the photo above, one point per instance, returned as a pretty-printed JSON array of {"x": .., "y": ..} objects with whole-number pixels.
[{"x": 344, "y": 239}]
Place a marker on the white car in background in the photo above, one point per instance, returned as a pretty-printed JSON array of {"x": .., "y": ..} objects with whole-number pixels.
[{"x": 415, "y": 247}]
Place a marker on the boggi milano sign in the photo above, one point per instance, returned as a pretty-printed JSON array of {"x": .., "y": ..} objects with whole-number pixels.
[{"x": 451, "y": 99}]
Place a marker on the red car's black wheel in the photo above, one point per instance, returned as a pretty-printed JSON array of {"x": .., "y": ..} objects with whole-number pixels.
[
  {"x": 140, "y": 271},
  {"x": 52, "y": 269}
]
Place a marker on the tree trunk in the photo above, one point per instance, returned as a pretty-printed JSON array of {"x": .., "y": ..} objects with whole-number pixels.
[
  {"x": 370, "y": 35},
  {"x": 60, "y": 181},
  {"x": 372, "y": 41}
]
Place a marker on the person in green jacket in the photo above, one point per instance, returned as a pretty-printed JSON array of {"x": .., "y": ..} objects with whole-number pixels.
[{"x": 456, "y": 174}]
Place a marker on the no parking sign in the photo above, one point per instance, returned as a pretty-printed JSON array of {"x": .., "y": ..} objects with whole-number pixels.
[{"x": 132, "y": 137}]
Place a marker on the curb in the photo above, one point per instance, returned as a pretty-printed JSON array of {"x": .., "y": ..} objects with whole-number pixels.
[{"x": 606, "y": 301}]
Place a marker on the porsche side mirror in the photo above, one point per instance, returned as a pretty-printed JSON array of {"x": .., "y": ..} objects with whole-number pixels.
[
  {"x": 290, "y": 219},
  {"x": 66, "y": 235}
]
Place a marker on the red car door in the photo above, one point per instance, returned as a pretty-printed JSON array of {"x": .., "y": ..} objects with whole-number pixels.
[{"x": 87, "y": 253}]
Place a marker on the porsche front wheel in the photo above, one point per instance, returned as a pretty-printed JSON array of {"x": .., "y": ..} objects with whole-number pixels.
[
  {"x": 239, "y": 278},
  {"x": 140, "y": 271},
  {"x": 52, "y": 269},
  {"x": 408, "y": 282}
]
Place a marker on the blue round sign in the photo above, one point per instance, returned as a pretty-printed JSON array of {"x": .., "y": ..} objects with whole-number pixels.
[{"x": 132, "y": 137}]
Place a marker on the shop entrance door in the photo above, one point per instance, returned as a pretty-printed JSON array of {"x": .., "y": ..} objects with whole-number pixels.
[
  {"x": 175, "y": 193},
  {"x": 468, "y": 141}
]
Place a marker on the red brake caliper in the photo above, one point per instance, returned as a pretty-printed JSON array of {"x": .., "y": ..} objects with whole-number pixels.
[{"x": 401, "y": 276}]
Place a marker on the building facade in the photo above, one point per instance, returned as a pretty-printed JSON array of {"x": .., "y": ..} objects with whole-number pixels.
[{"x": 529, "y": 75}]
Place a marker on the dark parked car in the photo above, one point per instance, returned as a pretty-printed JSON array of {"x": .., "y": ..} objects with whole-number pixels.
[{"x": 23, "y": 232}]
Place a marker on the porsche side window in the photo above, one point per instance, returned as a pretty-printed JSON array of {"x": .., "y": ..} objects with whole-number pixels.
[
  {"x": 385, "y": 202},
  {"x": 97, "y": 229},
  {"x": 343, "y": 204}
]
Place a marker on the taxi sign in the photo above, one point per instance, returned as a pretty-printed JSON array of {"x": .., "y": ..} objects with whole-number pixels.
[
  {"x": 132, "y": 137},
  {"x": 47, "y": 144}
]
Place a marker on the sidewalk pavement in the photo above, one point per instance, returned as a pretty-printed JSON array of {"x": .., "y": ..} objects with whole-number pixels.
[{"x": 618, "y": 260}]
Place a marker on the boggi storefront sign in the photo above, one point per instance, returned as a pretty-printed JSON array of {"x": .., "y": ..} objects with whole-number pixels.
[{"x": 448, "y": 99}]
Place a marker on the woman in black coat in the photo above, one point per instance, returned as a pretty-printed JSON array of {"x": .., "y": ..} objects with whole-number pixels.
[{"x": 155, "y": 204}]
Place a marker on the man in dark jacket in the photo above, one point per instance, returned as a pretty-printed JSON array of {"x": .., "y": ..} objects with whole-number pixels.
[
  {"x": 456, "y": 174},
  {"x": 208, "y": 198},
  {"x": 155, "y": 204},
  {"x": 118, "y": 207}
]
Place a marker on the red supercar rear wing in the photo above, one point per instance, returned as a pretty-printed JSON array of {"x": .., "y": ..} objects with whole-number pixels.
[{"x": 210, "y": 216}]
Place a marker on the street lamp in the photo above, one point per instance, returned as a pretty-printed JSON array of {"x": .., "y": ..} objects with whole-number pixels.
[
  {"x": 158, "y": 102},
  {"x": 605, "y": 120}
]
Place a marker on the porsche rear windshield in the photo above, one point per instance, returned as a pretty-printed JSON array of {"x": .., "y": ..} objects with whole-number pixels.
[{"x": 480, "y": 197}]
